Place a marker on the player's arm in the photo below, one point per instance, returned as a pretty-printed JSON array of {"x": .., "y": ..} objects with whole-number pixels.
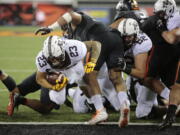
[
  {"x": 41, "y": 80},
  {"x": 69, "y": 17},
  {"x": 139, "y": 69},
  {"x": 172, "y": 37},
  {"x": 93, "y": 49}
]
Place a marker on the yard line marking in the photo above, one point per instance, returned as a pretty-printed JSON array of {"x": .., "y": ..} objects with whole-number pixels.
[
  {"x": 79, "y": 123},
  {"x": 17, "y": 58}
]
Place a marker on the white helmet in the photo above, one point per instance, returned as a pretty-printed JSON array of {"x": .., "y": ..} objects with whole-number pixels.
[
  {"x": 54, "y": 49},
  {"x": 168, "y": 6},
  {"x": 121, "y": 6},
  {"x": 128, "y": 27}
]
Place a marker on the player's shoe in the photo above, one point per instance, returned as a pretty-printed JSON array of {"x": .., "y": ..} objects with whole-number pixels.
[
  {"x": 13, "y": 102},
  {"x": 100, "y": 116},
  {"x": 124, "y": 115},
  {"x": 167, "y": 122}
]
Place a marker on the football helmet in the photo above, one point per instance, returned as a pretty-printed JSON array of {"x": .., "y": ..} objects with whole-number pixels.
[
  {"x": 166, "y": 6},
  {"x": 129, "y": 29},
  {"x": 125, "y": 5},
  {"x": 54, "y": 51}
]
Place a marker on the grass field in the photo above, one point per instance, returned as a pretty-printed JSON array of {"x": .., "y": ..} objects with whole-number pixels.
[{"x": 17, "y": 58}]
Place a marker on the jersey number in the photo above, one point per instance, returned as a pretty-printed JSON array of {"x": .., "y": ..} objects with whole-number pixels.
[
  {"x": 141, "y": 39},
  {"x": 42, "y": 61},
  {"x": 73, "y": 51}
]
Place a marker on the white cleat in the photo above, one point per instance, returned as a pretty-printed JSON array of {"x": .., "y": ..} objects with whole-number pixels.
[
  {"x": 100, "y": 116},
  {"x": 124, "y": 116}
]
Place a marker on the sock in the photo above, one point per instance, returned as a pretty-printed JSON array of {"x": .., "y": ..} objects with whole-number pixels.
[
  {"x": 165, "y": 93},
  {"x": 97, "y": 101},
  {"x": 122, "y": 96},
  {"x": 9, "y": 83}
]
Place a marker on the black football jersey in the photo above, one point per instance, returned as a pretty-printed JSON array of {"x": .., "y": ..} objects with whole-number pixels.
[{"x": 150, "y": 28}]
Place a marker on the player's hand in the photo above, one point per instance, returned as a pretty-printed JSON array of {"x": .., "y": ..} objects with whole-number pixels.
[
  {"x": 60, "y": 84},
  {"x": 89, "y": 67},
  {"x": 43, "y": 31}
]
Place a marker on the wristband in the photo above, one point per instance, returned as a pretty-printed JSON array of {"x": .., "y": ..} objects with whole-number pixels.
[
  {"x": 54, "y": 26},
  {"x": 67, "y": 17}
]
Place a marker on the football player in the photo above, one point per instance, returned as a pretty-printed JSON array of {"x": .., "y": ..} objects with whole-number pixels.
[
  {"x": 138, "y": 45},
  {"x": 164, "y": 57},
  {"x": 65, "y": 56},
  {"x": 85, "y": 28},
  {"x": 169, "y": 32},
  {"x": 128, "y": 9}
]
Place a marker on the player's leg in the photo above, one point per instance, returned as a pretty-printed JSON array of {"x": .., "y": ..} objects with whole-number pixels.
[
  {"x": 121, "y": 89},
  {"x": 8, "y": 81},
  {"x": 27, "y": 86},
  {"x": 79, "y": 100},
  {"x": 107, "y": 88},
  {"x": 174, "y": 101},
  {"x": 155, "y": 63},
  {"x": 95, "y": 92}
]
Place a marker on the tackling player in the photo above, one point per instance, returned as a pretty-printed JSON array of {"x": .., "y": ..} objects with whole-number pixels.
[
  {"x": 164, "y": 57},
  {"x": 170, "y": 32}
]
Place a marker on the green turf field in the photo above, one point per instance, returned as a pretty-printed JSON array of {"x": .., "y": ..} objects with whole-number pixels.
[{"x": 17, "y": 58}]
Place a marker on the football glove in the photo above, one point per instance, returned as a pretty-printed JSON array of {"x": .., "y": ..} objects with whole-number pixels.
[
  {"x": 89, "y": 67},
  {"x": 123, "y": 66},
  {"x": 43, "y": 31},
  {"x": 60, "y": 85}
]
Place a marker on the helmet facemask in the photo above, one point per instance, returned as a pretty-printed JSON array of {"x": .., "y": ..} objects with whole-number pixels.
[{"x": 129, "y": 40}]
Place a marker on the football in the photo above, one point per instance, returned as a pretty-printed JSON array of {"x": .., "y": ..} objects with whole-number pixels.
[{"x": 51, "y": 78}]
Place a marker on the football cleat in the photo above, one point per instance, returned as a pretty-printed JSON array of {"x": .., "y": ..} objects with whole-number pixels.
[
  {"x": 124, "y": 116},
  {"x": 100, "y": 116},
  {"x": 13, "y": 102},
  {"x": 167, "y": 122}
]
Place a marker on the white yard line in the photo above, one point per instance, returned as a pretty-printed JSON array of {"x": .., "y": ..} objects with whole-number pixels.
[
  {"x": 77, "y": 123},
  {"x": 17, "y": 58}
]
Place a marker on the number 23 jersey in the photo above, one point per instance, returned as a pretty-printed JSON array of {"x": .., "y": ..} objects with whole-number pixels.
[{"x": 76, "y": 51}]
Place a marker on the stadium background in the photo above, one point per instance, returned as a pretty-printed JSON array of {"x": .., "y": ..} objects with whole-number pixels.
[{"x": 18, "y": 49}]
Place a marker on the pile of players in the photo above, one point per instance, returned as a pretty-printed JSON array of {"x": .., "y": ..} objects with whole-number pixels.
[{"x": 91, "y": 58}]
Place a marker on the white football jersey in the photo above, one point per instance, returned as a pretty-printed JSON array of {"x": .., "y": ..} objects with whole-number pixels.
[
  {"x": 76, "y": 50},
  {"x": 144, "y": 44},
  {"x": 174, "y": 21}
]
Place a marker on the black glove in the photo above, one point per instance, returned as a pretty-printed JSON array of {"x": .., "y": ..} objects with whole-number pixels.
[
  {"x": 43, "y": 31},
  {"x": 161, "y": 25},
  {"x": 123, "y": 66}
]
